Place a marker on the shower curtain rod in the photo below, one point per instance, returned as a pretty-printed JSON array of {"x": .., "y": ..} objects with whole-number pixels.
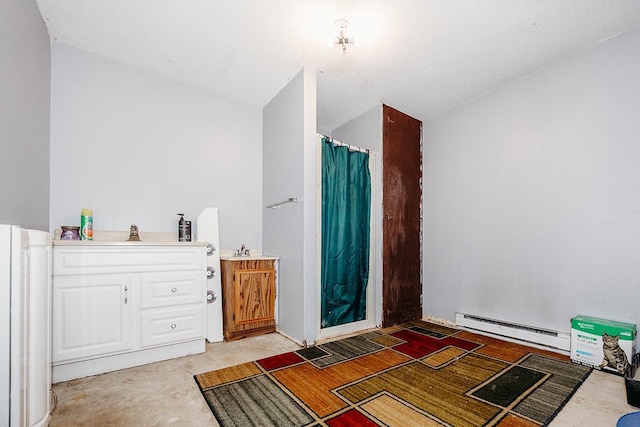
[{"x": 349, "y": 146}]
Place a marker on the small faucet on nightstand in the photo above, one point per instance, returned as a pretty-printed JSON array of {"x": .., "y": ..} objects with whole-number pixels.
[{"x": 243, "y": 251}]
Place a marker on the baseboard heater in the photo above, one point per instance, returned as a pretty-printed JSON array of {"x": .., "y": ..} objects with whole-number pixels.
[{"x": 552, "y": 340}]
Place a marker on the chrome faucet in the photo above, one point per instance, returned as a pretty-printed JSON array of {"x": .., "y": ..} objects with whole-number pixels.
[
  {"x": 134, "y": 236},
  {"x": 243, "y": 251}
]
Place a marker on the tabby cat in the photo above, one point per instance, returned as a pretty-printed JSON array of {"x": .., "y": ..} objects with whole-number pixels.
[{"x": 614, "y": 356}]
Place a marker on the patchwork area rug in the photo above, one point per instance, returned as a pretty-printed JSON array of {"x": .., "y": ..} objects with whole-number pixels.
[{"x": 417, "y": 374}]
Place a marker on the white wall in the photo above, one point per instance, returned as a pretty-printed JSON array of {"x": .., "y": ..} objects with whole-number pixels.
[
  {"x": 24, "y": 115},
  {"x": 138, "y": 148},
  {"x": 289, "y": 162},
  {"x": 365, "y": 131},
  {"x": 531, "y": 196}
]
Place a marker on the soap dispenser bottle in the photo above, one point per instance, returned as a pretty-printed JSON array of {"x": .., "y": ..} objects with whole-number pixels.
[{"x": 182, "y": 229}]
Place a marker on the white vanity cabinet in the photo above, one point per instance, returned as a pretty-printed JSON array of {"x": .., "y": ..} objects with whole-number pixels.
[{"x": 122, "y": 305}]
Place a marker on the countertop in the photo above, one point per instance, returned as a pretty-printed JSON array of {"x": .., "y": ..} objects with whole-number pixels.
[
  {"x": 256, "y": 255},
  {"x": 245, "y": 257},
  {"x": 119, "y": 238}
]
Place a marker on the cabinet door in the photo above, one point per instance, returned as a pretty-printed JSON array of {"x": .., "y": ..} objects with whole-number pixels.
[
  {"x": 91, "y": 316},
  {"x": 254, "y": 295}
]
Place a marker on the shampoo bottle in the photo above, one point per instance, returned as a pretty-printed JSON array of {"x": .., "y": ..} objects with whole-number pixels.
[
  {"x": 182, "y": 229},
  {"x": 86, "y": 224},
  {"x": 187, "y": 238}
]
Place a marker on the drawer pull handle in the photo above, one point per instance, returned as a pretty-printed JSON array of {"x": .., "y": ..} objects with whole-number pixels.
[
  {"x": 211, "y": 297},
  {"x": 211, "y": 249},
  {"x": 173, "y": 326},
  {"x": 174, "y": 290},
  {"x": 211, "y": 272}
]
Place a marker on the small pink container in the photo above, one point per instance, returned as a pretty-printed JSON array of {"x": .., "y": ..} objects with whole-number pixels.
[{"x": 70, "y": 232}]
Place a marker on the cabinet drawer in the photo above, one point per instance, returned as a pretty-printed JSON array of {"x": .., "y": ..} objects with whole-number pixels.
[
  {"x": 171, "y": 325},
  {"x": 103, "y": 259},
  {"x": 166, "y": 289}
]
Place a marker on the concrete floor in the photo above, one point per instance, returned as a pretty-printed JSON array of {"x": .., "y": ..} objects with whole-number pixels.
[
  {"x": 165, "y": 394},
  {"x": 157, "y": 394}
]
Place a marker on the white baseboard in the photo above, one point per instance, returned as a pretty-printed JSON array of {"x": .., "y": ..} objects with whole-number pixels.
[
  {"x": 84, "y": 368},
  {"x": 539, "y": 337}
]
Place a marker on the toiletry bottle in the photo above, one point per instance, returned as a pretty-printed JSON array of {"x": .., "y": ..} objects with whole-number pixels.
[
  {"x": 187, "y": 238},
  {"x": 182, "y": 229},
  {"x": 86, "y": 224}
]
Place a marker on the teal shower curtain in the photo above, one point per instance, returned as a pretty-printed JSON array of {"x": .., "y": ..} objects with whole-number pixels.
[{"x": 346, "y": 211}]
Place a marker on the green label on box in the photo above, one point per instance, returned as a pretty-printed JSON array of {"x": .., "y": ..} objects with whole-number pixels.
[{"x": 591, "y": 325}]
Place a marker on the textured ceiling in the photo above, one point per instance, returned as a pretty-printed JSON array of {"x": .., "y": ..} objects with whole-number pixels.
[{"x": 420, "y": 56}]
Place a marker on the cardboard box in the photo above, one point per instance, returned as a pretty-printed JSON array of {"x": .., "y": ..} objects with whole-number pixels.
[{"x": 603, "y": 344}]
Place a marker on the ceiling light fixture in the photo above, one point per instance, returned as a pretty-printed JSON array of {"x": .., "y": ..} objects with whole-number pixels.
[{"x": 343, "y": 33}]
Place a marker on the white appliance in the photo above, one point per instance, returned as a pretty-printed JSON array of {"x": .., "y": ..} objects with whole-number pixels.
[
  {"x": 207, "y": 231},
  {"x": 25, "y": 328}
]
